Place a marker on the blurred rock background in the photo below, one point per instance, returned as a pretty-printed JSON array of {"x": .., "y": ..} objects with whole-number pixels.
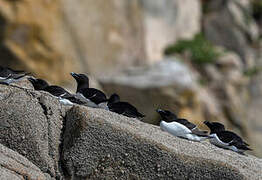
[{"x": 201, "y": 59}]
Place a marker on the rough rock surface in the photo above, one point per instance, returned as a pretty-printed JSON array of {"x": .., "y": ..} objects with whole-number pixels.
[
  {"x": 50, "y": 39},
  {"x": 229, "y": 24},
  {"x": 32, "y": 126},
  {"x": 102, "y": 144},
  {"x": 255, "y": 105},
  {"x": 14, "y": 166},
  {"x": 33, "y": 37},
  {"x": 167, "y": 21}
]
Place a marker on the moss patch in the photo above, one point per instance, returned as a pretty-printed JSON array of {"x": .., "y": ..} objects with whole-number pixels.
[
  {"x": 202, "y": 51},
  {"x": 252, "y": 71}
]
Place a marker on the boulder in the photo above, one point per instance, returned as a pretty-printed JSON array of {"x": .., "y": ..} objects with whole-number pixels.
[
  {"x": 14, "y": 166},
  {"x": 32, "y": 124},
  {"x": 101, "y": 144}
]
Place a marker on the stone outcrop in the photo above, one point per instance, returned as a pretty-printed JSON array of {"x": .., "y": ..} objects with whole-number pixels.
[
  {"x": 95, "y": 143},
  {"x": 32, "y": 126},
  {"x": 16, "y": 167},
  {"x": 101, "y": 144}
]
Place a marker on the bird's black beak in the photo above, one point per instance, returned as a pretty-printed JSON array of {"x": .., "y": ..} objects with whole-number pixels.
[
  {"x": 159, "y": 111},
  {"x": 75, "y": 75},
  {"x": 32, "y": 80},
  {"x": 208, "y": 124}
]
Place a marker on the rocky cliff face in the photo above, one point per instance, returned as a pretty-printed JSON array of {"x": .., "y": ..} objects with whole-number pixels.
[
  {"x": 42, "y": 139},
  {"x": 52, "y": 38}
]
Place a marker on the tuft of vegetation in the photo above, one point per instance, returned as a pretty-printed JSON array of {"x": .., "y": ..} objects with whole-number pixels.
[
  {"x": 203, "y": 82},
  {"x": 252, "y": 71},
  {"x": 201, "y": 49}
]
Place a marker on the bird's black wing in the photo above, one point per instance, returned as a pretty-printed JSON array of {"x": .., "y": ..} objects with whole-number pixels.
[
  {"x": 226, "y": 136},
  {"x": 238, "y": 141},
  {"x": 56, "y": 91},
  {"x": 16, "y": 71},
  {"x": 73, "y": 99},
  {"x": 233, "y": 139},
  {"x": 94, "y": 95},
  {"x": 125, "y": 109},
  {"x": 15, "y": 74},
  {"x": 18, "y": 76},
  {"x": 186, "y": 123}
]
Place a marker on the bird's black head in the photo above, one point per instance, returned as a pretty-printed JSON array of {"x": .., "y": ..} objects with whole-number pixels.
[
  {"x": 167, "y": 115},
  {"x": 39, "y": 84},
  {"x": 1, "y": 68},
  {"x": 214, "y": 126},
  {"x": 82, "y": 81},
  {"x": 114, "y": 98}
]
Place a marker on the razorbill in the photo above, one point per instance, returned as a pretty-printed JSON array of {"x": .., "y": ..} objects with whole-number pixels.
[
  {"x": 8, "y": 75},
  {"x": 226, "y": 139},
  {"x": 124, "y": 108},
  {"x": 64, "y": 96},
  {"x": 180, "y": 127},
  {"x": 85, "y": 93}
]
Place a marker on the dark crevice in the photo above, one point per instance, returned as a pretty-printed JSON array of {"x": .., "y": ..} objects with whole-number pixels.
[
  {"x": 60, "y": 170},
  {"x": 47, "y": 112},
  {"x": 43, "y": 106},
  {"x": 61, "y": 163}
]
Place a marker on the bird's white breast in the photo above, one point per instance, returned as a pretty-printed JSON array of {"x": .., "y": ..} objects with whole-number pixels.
[
  {"x": 174, "y": 128},
  {"x": 180, "y": 130},
  {"x": 65, "y": 102}
]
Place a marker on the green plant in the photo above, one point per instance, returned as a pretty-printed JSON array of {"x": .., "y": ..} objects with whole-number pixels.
[
  {"x": 202, "y": 82},
  {"x": 252, "y": 71},
  {"x": 202, "y": 50}
]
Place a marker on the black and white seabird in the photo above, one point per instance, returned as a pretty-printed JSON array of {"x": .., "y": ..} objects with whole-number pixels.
[
  {"x": 91, "y": 95},
  {"x": 39, "y": 84},
  {"x": 8, "y": 75},
  {"x": 180, "y": 127},
  {"x": 124, "y": 108},
  {"x": 64, "y": 96},
  {"x": 226, "y": 139}
]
